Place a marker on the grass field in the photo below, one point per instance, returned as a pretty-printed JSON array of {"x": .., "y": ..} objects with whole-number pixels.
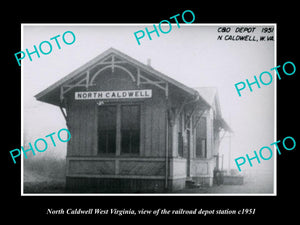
[{"x": 44, "y": 175}]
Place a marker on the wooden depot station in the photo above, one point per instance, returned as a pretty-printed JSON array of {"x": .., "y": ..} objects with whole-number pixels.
[{"x": 135, "y": 129}]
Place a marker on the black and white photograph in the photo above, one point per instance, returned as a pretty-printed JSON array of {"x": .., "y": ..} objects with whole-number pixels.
[
  {"x": 149, "y": 109},
  {"x": 127, "y": 111}
]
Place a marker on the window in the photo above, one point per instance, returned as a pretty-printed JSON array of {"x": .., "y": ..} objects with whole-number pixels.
[
  {"x": 130, "y": 129},
  {"x": 119, "y": 127},
  {"x": 201, "y": 145},
  {"x": 107, "y": 117}
]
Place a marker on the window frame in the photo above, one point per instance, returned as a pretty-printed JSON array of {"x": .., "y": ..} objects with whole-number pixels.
[
  {"x": 201, "y": 153},
  {"x": 107, "y": 153},
  {"x": 139, "y": 129},
  {"x": 118, "y": 136}
]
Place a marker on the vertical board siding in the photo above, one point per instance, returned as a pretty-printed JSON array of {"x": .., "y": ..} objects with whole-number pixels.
[
  {"x": 148, "y": 135},
  {"x": 154, "y": 129},
  {"x": 82, "y": 137},
  {"x": 74, "y": 128},
  {"x": 82, "y": 116},
  {"x": 88, "y": 138},
  {"x": 162, "y": 131},
  {"x": 87, "y": 117},
  {"x": 142, "y": 134},
  {"x": 155, "y": 132}
]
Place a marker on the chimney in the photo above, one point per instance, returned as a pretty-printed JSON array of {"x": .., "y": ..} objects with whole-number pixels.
[{"x": 149, "y": 62}]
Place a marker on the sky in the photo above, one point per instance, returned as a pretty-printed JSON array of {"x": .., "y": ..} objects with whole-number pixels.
[{"x": 190, "y": 54}]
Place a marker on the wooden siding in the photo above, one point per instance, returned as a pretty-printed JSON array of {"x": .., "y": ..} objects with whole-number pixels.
[
  {"x": 116, "y": 167},
  {"x": 153, "y": 168},
  {"x": 82, "y": 125},
  {"x": 100, "y": 167},
  {"x": 82, "y": 121},
  {"x": 118, "y": 185},
  {"x": 154, "y": 128}
]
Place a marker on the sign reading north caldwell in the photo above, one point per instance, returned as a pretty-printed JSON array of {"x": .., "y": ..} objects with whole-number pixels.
[{"x": 86, "y": 95}]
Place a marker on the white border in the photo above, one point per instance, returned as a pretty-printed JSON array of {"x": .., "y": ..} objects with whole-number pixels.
[
  {"x": 22, "y": 116},
  {"x": 155, "y": 194}
]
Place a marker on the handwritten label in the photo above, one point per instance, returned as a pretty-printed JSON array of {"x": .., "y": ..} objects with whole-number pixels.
[{"x": 245, "y": 33}]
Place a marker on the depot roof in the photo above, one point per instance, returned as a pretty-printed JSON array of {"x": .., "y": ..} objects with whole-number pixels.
[
  {"x": 207, "y": 95},
  {"x": 52, "y": 93}
]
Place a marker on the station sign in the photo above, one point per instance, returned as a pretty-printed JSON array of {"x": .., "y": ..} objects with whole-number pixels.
[{"x": 124, "y": 94}]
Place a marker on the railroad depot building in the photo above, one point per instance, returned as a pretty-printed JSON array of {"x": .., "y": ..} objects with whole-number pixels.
[{"x": 135, "y": 129}]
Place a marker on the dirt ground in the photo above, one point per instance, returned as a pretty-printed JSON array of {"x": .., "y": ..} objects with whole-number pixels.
[{"x": 259, "y": 183}]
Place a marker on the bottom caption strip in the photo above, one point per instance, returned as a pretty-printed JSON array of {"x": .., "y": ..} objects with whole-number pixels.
[{"x": 155, "y": 212}]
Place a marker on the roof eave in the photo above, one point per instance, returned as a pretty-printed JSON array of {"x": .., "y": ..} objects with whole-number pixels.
[{"x": 87, "y": 65}]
